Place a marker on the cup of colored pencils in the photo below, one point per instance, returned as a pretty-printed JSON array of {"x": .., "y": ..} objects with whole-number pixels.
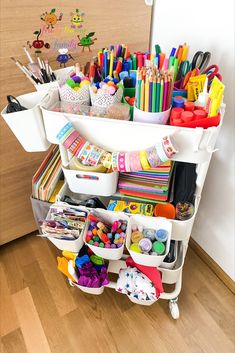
[{"x": 153, "y": 95}]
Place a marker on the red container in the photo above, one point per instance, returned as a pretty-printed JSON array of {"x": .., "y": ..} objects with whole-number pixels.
[{"x": 204, "y": 123}]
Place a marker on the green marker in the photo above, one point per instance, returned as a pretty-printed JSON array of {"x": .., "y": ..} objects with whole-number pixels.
[
  {"x": 176, "y": 64},
  {"x": 171, "y": 62},
  {"x": 157, "y": 49}
]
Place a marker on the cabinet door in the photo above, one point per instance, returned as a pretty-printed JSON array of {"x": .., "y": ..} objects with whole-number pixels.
[{"x": 113, "y": 22}]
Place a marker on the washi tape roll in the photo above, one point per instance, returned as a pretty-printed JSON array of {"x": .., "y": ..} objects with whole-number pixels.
[
  {"x": 75, "y": 164},
  {"x": 127, "y": 161},
  {"x": 64, "y": 130},
  {"x": 134, "y": 159},
  {"x": 66, "y": 135},
  {"x": 95, "y": 156},
  {"x": 168, "y": 146},
  {"x": 115, "y": 161},
  {"x": 152, "y": 156},
  {"x": 161, "y": 152},
  {"x": 121, "y": 162},
  {"x": 71, "y": 138},
  {"x": 144, "y": 160},
  {"x": 80, "y": 144},
  {"x": 106, "y": 160}
]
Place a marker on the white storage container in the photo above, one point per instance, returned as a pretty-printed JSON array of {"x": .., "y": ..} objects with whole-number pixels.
[
  {"x": 148, "y": 222},
  {"x": 141, "y": 302},
  {"x": 89, "y": 290},
  {"x": 195, "y": 145},
  {"x": 69, "y": 245},
  {"x": 107, "y": 217},
  {"x": 171, "y": 276},
  {"x": 170, "y": 265},
  {"x": 103, "y": 184},
  {"x": 27, "y": 125},
  {"x": 60, "y": 74}
]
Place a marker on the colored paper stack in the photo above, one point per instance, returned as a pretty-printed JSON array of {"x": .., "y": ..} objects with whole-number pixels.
[
  {"x": 46, "y": 181},
  {"x": 149, "y": 185}
]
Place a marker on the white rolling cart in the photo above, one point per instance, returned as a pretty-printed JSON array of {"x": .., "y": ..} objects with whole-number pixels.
[{"x": 195, "y": 145}]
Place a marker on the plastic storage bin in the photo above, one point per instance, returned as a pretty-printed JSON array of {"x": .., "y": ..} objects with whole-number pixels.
[
  {"x": 104, "y": 184},
  {"x": 195, "y": 145},
  {"x": 27, "y": 125},
  {"x": 171, "y": 276},
  {"x": 170, "y": 265},
  {"x": 148, "y": 222},
  {"x": 89, "y": 290},
  {"x": 107, "y": 217},
  {"x": 70, "y": 245}
]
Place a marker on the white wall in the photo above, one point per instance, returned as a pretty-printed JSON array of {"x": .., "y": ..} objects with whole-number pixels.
[{"x": 208, "y": 25}]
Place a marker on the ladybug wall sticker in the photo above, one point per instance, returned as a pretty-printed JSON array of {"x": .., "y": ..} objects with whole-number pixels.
[
  {"x": 63, "y": 56},
  {"x": 51, "y": 18},
  {"x": 38, "y": 43},
  {"x": 86, "y": 41}
]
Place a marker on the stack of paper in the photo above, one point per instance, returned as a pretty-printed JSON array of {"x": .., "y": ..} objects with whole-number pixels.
[
  {"x": 48, "y": 175},
  {"x": 147, "y": 185}
]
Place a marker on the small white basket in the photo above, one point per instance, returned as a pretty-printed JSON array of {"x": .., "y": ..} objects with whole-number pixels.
[
  {"x": 27, "y": 125},
  {"x": 89, "y": 290},
  {"x": 141, "y": 302},
  {"x": 107, "y": 217},
  {"x": 69, "y": 245},
  {"x": 103, "y": 184},
  {"x": 104, "y": 99},
  {"x": 148, "y": 222}
]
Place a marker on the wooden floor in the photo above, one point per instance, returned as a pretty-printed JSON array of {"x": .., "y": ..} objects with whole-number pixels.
[{"x": 41, "y": 313}]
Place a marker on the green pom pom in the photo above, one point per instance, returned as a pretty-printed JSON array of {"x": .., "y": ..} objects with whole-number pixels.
[
  {"x": 70, "y": 83},
  {"x": 91, "y": 242},
  {"x": 77, "y": 85},
  {"x": 101, "y": 245}
]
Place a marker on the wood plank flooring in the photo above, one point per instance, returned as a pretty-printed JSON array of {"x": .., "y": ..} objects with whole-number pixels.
[{"x": 41, "y": 313}]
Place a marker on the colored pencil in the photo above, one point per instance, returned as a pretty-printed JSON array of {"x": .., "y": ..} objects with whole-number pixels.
[
  {"x": 142, "y": 96},
  {"x": 146, "y": 95},
  {"x": 154, "y": 95},
  {"x": 158, "y": 94},
  {"x": 161, "y": 96},
  {"x": 150, "y": 94},
  {"x": 165, "y": 94}
]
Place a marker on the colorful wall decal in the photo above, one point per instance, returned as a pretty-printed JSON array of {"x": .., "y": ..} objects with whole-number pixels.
[
  {"x": 51, "y": 18},
  {"x": 64, "y": 56},
  {"x": 38, "y": 44},
  {"x": 86, "y": 41},
  {"x": 77, "y": 19}
]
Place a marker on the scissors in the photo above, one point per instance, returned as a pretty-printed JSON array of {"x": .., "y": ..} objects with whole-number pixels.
[
  {"x": 198, "y": 64},
  {"x": 211, "y": 72}
]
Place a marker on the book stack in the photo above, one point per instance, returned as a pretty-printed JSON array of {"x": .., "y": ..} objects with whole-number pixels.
[
  {"x": 147, "y": 185},
  {"x": 47, "y": 181}
]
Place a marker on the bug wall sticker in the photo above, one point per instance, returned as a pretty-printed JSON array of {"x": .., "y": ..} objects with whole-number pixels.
[
  {"x": 86, "y": 41},
  {"x": 51, "y": 18}
]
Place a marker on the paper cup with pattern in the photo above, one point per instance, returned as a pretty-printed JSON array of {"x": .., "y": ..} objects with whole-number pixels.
[
  {"x": 104, "y": 99},
  {"x": 81, "y": 96}
]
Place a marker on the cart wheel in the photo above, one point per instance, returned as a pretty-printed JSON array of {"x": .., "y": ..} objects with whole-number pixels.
[{"x": 174, "y": 308}]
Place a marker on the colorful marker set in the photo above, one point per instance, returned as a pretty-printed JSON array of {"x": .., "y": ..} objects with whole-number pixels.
[
  {"x": 153, "y": 90},
  {"x": 112, "y": 61}
]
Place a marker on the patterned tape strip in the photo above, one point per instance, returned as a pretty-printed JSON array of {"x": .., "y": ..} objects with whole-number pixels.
[
  {"x": 144, "y": 160},
  {"x": 134, "y": 159},
  {"x": 121, "y": 162}
]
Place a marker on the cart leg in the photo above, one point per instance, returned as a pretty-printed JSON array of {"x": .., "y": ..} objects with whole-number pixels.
[{"x": 174, "y": 308}]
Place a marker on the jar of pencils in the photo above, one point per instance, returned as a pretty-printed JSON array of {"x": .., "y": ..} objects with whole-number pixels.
[{"x": 153, "y": 96}]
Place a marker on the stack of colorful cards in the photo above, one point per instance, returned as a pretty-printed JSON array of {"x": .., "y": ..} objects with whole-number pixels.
[{"x": 149, "y": 185}]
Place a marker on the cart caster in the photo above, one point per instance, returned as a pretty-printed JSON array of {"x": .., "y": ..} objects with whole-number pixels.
[{"x": 174, "y": 308}]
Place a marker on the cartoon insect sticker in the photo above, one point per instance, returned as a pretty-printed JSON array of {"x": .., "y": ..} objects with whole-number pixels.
[
  {"x": 86, "y": 41},
  {"x": 77, "y": 19},
  {"x": 38, "y": 44},
  {"x": 51, "y": 18},
  {"x": 63, "y": 56}
]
